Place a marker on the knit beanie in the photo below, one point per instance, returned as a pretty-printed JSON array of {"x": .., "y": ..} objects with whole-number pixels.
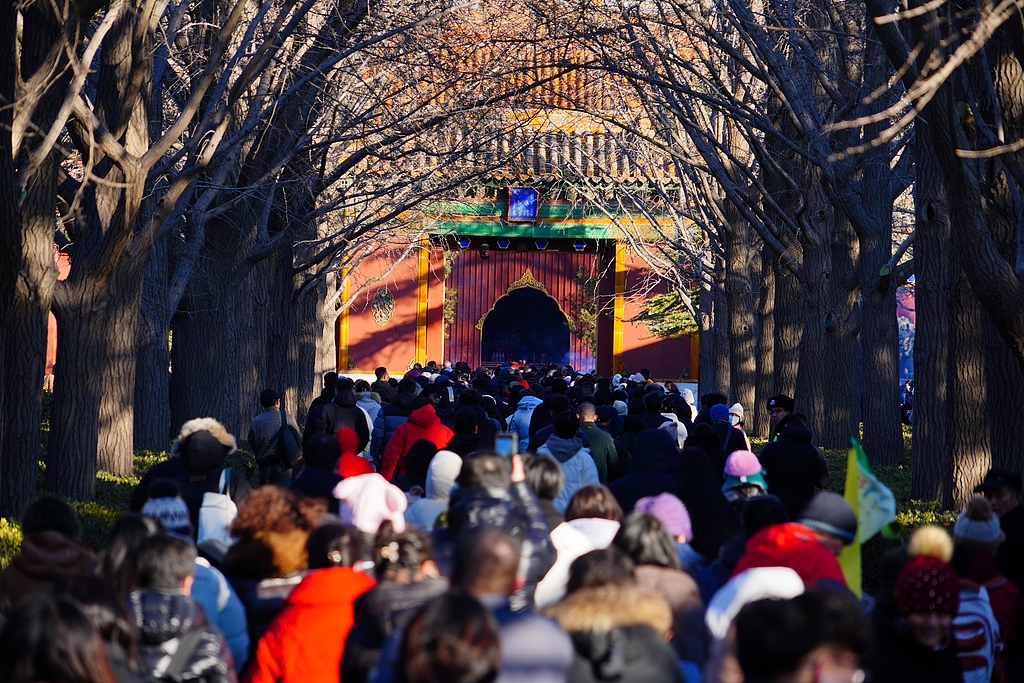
[
  {"x": 670, "y": 511},
  {"x": 829, "y": 513},
  {"x": 719, "y": 412},
  {"x": 928, "y": 583},
  {"x": 742, "y": 464},
  {"x": 759, "y": 583},
  {"x": 367, "y": 500},
  {"x": 166, "y": 506},
  {"x": 737, "y": 410},
  {"x": 977, "y": 527},
  {"x": 620, "y": 407}
]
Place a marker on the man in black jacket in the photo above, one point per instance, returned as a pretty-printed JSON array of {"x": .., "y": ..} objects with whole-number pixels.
[
  {"x": 341, "y": 412},
  {"x": 794, "y": 467}
]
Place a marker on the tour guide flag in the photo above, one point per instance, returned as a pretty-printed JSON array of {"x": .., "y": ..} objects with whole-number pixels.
[{"x": 874, "y": 505}]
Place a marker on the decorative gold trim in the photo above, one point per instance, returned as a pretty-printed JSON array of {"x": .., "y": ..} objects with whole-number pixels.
[
  {"x": 422, "y": 291},
  {"x": 527, "y": 280},
  {"x": 383, "y": 306}
]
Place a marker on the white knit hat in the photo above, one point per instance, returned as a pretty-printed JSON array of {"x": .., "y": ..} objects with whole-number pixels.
[
  {"x": 737, "y": 409},
  {"x": 977, "y": 527}
]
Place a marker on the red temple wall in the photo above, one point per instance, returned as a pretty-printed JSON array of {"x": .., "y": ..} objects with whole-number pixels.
[{"x": 666, "y": 358}]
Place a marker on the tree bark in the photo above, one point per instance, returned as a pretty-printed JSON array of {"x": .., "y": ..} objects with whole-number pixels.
[
  {"x": 152, "y": 381},
  {"x": 971, "y": 452},
  {"x": 759, "y": 419},
  {"x": 841, "y": 394},
  {"x": 117, "y": 402},
  {"x": 739, "y": 256},
  {"x": 789, "y": 331}
]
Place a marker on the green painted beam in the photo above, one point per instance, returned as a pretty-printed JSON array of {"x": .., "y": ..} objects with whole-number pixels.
[{"x": 532, "y": 230}]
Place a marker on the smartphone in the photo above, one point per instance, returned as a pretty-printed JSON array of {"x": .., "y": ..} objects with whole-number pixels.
[{"x": 506, "y": 443}]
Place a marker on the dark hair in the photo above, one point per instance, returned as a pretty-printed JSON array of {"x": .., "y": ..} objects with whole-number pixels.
[
  {"x": 646, "y": 540},
  {"x": 486, "y": 560},
  {"x": 344, "y": 384},
  {"x": 557, "y": 403},
  {"x": 566, "y": 424},
  {"x": 394, "y": 552},
  {"x": 361, "y": 385},
  {"x": 334, "y": 545},
  {"x": 165, "y": 561},
  {"x": 607, "y": 566},
  {"x": 713, "y": 398},
  {"x": 452, "y": 639},
  {"x": 762, "y": 511},
  {"x": 321, "y": 450},
  {"x": 52, "y": 640},
  {"x": 594, "y": 500},
  {"x": 559, "y": 386},
  {"x": 465, "y": 421},
  {"x": 50, "y": 514},
  {"x": 407, "y": 385},
  {"x": 652, "y": 402},
  {"x": 118, "y": 563},
  {"x": 104, "y": 609},
  {"x": 544, "y": 475},
  {"x": 485, "y": 470},
  {"x": 380, "y": 372},
  {"x": 330, "y": 379},
  {"x": 268, "y": 397}
]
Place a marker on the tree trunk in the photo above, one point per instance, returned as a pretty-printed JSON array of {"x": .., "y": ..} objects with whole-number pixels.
[
  {"x": 789, "y": 331},
  {"x": 842, "y": 392},
  {"x": 152, "y": 381},
  {"x": 971, "y": 454},
  {"x": 117, "y": 402},
  {"x": 759, "y": 419},
  {"x": 739, "y": 256},
  {"x": 714, "y": 340}
]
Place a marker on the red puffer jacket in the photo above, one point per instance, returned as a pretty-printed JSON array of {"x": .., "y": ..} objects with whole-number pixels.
[
  {"x": 423, "y": 423},
  {"x": 791, "y": 545},
  {"x": 306, "y": 640}
]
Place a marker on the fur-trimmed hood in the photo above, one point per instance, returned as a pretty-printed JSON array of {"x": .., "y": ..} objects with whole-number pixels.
[
  {"x": 608, "y": 607},
  {"x": 203, "y": 443}
]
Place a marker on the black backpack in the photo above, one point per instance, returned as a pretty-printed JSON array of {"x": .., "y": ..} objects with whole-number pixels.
[{"x": 286, "y": 448}]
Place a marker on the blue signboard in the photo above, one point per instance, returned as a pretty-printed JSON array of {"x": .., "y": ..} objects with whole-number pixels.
[{"x": 522, "y": 204}]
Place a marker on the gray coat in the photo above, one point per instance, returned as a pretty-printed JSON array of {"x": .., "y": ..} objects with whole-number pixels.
[{"x": 265, "y": 427}]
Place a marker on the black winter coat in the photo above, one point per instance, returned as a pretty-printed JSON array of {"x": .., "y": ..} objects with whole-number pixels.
[
  {"x": 898, "y": 658},
  {"x": 627, "y": 654},
  {"x": 317, "y": 482},
  {"x": 162, "y": 619},
  {"x": 328, "y": 418},
  {"x": 794, "y": 468},
  {"x": 651, "y": 469},
  {"x": 377, "y": 613}
]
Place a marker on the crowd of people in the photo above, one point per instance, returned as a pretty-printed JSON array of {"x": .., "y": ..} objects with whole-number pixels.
[{"x": 629, "y": 535}]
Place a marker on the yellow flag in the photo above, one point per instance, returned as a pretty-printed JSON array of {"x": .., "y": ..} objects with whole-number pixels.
[{"x": 849, "y": 559}]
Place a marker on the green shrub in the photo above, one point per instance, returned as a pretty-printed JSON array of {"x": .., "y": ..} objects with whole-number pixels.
[{"x": 10, "y": 541}]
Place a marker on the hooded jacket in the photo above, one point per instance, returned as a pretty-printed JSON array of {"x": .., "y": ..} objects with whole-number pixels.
[
  {"x": 162, "y": 619},
  {"x": 791, "y": 545},
  {"x": 650, "y": 471},
  {"x": 602, "y": 449},
  {"x": 441, "y": 475},
  {"x": 391, "y": 415},
  {"x": 794, "y": 468},
  {"x": 577, "y": 465},
  {"x": 617, "y": 635},
  {"x": 343, "y": 411},
  {"x": 45, "y": 559},
  {"x": 520, "y": 420},
  {"x": 423, "y": 423},
  {"x": 197, "y": 458},
  {"x": 306, "y": 640}
]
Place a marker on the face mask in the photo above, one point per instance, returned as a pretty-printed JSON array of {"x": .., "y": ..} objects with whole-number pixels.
[{"x": 734, "y": 419}]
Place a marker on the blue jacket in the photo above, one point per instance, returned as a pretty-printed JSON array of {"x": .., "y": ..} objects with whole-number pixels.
[
  {"x": 577, "y": 465},
  {"x": 520, "y": 420},
  {"x": 212, "y": 592}
]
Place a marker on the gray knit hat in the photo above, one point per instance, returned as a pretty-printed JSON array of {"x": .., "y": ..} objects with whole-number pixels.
[
  {"x": 829, "y": 513},
  {"x": 977, "y": 527}
]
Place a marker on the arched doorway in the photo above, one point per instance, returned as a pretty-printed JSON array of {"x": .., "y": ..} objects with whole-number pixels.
[{"x": 526, "y": 326}]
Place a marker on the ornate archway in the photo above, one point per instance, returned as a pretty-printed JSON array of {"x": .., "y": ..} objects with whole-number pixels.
[{"x": 525, "y": 325}]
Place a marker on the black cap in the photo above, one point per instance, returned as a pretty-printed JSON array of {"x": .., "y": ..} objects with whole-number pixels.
[
  {"x": 999, "y": 477},
  {"x": 781, "y": 401}
]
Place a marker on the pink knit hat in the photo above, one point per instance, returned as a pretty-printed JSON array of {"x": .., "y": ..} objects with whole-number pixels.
[
  {"x": 670, "y": 511},
  {"x": 368, "y": 500},
  {"x": 742, "y": 464}
]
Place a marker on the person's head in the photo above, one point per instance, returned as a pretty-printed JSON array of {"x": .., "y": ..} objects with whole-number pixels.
[
  {"x": 760, "y": 512},
  {"x": 1002, "y": 488},
  {"x": 831, "y": 519},
  {"x": 469, "y": 397},
  {"x": 118, "y": 562},
  {"x": 736, "y": 415},
  {"x": 927, "y": 589},
  {"x": 588, "y": 412},
  {"x": 486, "y": 561},
  {"x": 487, "y": 471},
  {"x": 50, "y": 514},
  {"x": 334, "y": 545},
  {"x": 646, "y": 540},
  {"x": 269, "y": 398},
  {"x": 671, "y": 512},
  {"x": 453, "y": 639},
  {"x": 557, "y": 403},
  {"x": 381, "y": 374},
  {"x": 652, "y": 403},
  {"x": 719, "y": 412},
  {"x": 330, "y": 379},
  {"x": 566, "y": 424},
  {"x": 166, "y": 564},
  {"x": 712, "y": 398},
  {"x": 779, "y": 406},
  {"x": 361, "y": 386},
  {"x": 104, "y": 609},
  {"x": 52, "y": 640},
  {"x": 166, "y": 506},
  {"x": 820, "y": 635},
  {"x": 559, "y": 386},
  {"x": 274, "y": 509},
  {"x": 594, "y": 501},
  {"x": 402, "y": 557},
  {"x": 977, "y": 528},
  {"x": 322, "y": 451},
  {"x": 466, "y": 421},
  {"x": 407, "y": 385},
  {"x": 544, "y": 475},
  {"x": 605, "y": 567}
]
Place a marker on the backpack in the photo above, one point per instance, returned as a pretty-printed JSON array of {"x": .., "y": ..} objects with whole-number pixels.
[
  {"x": 217, "y": 513},
  {"x": 976, "y": 632},
  {"x": 187, "y": 646},
  {"x": 285, "y": 449}
]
